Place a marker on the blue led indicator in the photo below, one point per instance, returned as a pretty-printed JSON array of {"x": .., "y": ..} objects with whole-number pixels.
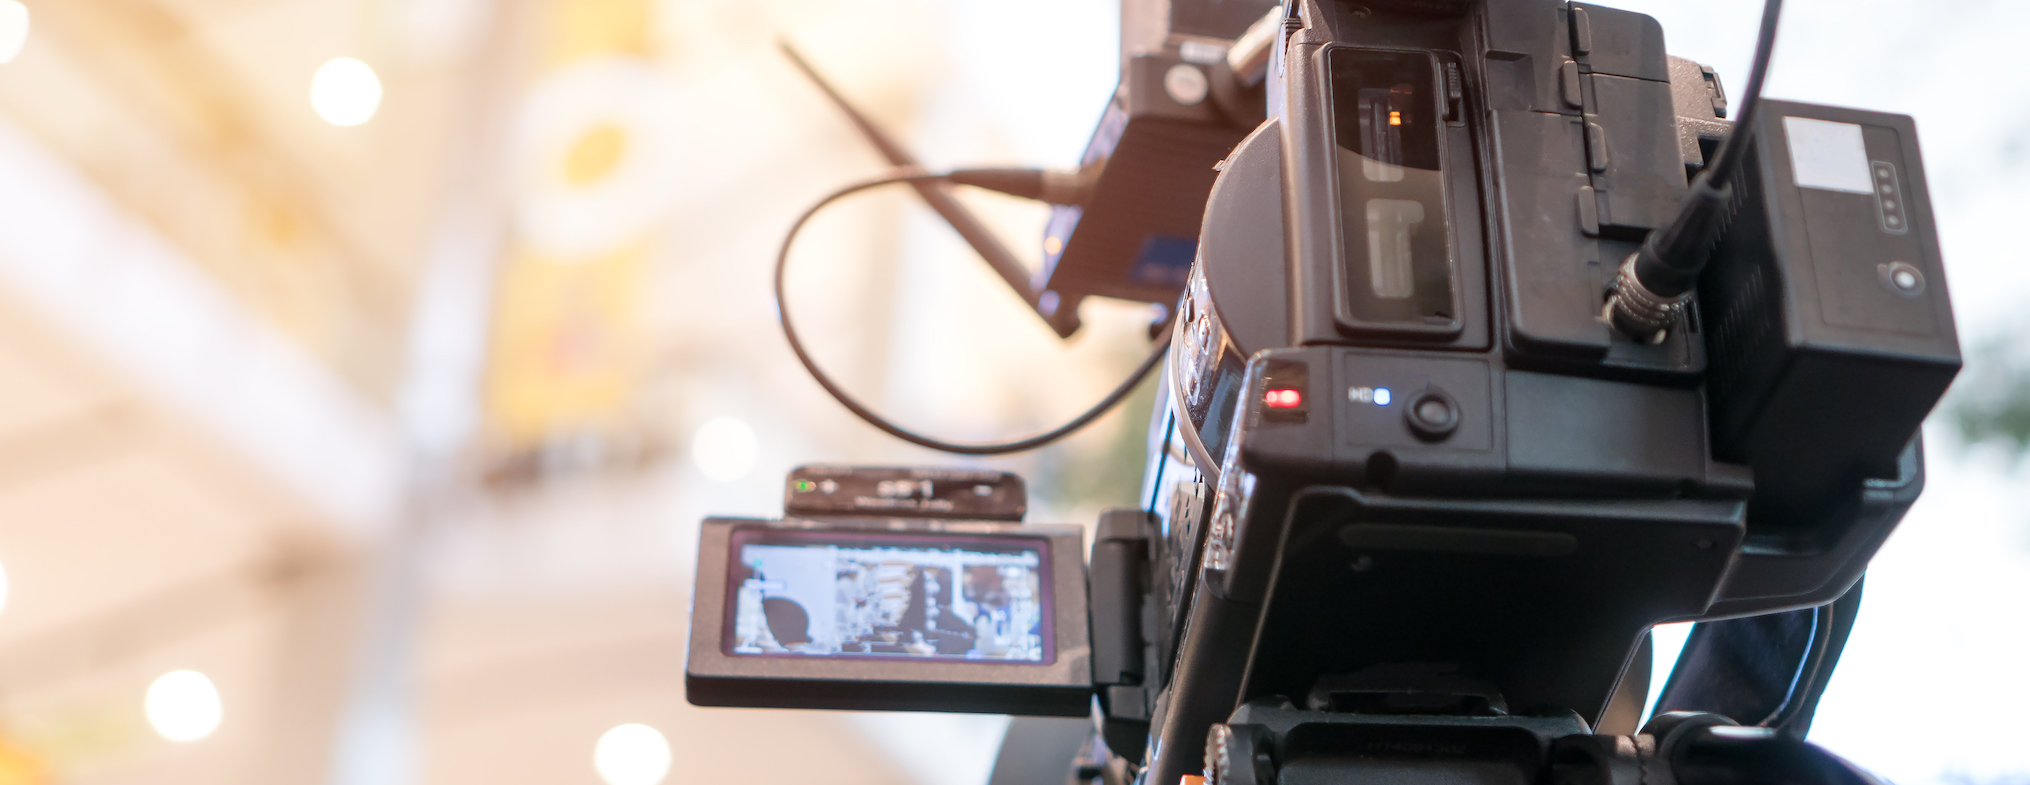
[{"x": 1382, "y": 396}]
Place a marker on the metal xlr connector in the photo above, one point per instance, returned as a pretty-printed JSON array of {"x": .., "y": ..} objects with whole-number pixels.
[{"x": 1635, "y": 310}]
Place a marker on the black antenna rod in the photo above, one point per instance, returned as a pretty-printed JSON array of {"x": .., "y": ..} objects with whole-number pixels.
[{"x": 938, "y": 194}]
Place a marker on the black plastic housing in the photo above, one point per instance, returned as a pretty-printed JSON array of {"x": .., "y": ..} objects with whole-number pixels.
[
  {"x": 1518, "y": 500},
  {"x": 1135, "y": 237},
  {"x": 1177, "y": 111}
]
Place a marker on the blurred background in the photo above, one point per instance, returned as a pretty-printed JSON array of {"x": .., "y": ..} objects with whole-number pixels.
[{"x": 366, "y": 366}]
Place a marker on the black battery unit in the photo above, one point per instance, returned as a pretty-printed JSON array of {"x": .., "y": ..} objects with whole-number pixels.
[{"x": 1829, "y": 331}]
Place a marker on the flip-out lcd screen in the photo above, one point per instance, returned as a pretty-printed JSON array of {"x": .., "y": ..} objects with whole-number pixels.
[{"x": 840, "y": 595}]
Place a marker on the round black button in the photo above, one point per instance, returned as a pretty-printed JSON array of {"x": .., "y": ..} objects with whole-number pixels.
[{"x": 1432, "y": 414}]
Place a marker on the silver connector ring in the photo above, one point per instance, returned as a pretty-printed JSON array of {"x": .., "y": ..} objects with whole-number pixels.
[{"x": 1639, "y": 312}]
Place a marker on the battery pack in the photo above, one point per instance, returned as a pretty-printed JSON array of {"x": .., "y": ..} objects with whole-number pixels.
[{"x": 1828, "y": 328}]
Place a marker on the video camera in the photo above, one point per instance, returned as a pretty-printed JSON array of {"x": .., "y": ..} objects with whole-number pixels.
[{"x": 1494, "y": 345}]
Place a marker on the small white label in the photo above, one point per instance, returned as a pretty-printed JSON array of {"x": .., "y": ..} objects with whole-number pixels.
[
  {"x": 1828, "y": 155},
  {"x": 1201, "y": 52}
]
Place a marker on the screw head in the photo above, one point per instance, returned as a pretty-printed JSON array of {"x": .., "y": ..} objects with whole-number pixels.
[{"x": 1186, "y": 84}]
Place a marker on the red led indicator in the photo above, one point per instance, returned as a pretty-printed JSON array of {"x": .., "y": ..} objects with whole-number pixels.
[{"x": 1283, "y": 399}]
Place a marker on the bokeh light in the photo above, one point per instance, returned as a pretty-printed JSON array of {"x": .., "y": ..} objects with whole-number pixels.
[
  {"x": 345, "y": 92},
  {"x": 632, "y": 754},
  {"x": 725, "y": 449},
  {"x": 13, "y": 29},
  {"x": 3, "y": 587},
  {"x": 183, "y": 706}
]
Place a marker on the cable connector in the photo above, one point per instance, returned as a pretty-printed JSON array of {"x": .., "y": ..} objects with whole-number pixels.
[
  {"x": 1656, "y": 281},
  {"x": 1054, "y": 186},
  {"x": 1248, "y": 58},
  {"x": 1652, "y": 286},
  {"x": 1639, "y": 312}
]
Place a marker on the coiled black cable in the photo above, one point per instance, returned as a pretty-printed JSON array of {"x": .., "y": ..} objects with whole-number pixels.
[{"x": 875, "y": 419}]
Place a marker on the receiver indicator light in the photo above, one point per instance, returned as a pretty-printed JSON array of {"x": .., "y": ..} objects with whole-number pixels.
[
  {"x": 1379, "y": 396},
  {"x": 1283, "y": 399}
]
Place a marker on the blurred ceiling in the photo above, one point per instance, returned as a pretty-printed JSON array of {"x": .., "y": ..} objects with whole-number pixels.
[
  {"x": 179, "y": 490},
  {"x": 230, "y": 332},
  {"x": 134, "y": 546},
  {"x": 193, "y": 114}
]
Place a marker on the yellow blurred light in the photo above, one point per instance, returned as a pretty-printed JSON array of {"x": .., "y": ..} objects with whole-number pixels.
[
  {"x": 1395, "y": 118},
  {"x": 345, "y": 92},
  {"x": 632, "y": 754},
  {"x": 595, "y": 155},
  {"x": 580, "y": 29},
  {"x": 22, "y": 766},
  {"x": 4, "y": 586},
  {"x": 568, "y": 348},
  {"x": 183, "y": 706},
  {"x": 13, "y": 29},
  {"x": 581, "y": 190}
]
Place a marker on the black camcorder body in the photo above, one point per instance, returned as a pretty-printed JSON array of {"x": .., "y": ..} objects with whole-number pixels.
[{"x": 1411, "y": 495}]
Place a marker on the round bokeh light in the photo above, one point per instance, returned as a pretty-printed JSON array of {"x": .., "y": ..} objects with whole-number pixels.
[
  {"x": 725, "y": 449},
  {"x": 183, "y": 706},
  {"x": 345, "y": 92},
  {"x": 13, "y": 29},
  {"x": 632, "y": 754}
]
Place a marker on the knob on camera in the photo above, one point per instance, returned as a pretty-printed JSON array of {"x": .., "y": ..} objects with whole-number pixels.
[{"x": 1432, "y": 414}]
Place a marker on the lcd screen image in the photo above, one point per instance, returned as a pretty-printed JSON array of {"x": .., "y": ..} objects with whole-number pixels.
[{"x": 890, "y": 597}]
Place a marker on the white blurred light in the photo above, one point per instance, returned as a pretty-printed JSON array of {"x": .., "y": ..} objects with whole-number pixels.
[
  {"x": 13, "y": 29},
  {"x": 184, "y": 706},
  {"x": 725, "y": 449},
  {"x": 3, "y": 587},
  {"x": 632, "y": 754},
  {"x": 345, "y": 92}
]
